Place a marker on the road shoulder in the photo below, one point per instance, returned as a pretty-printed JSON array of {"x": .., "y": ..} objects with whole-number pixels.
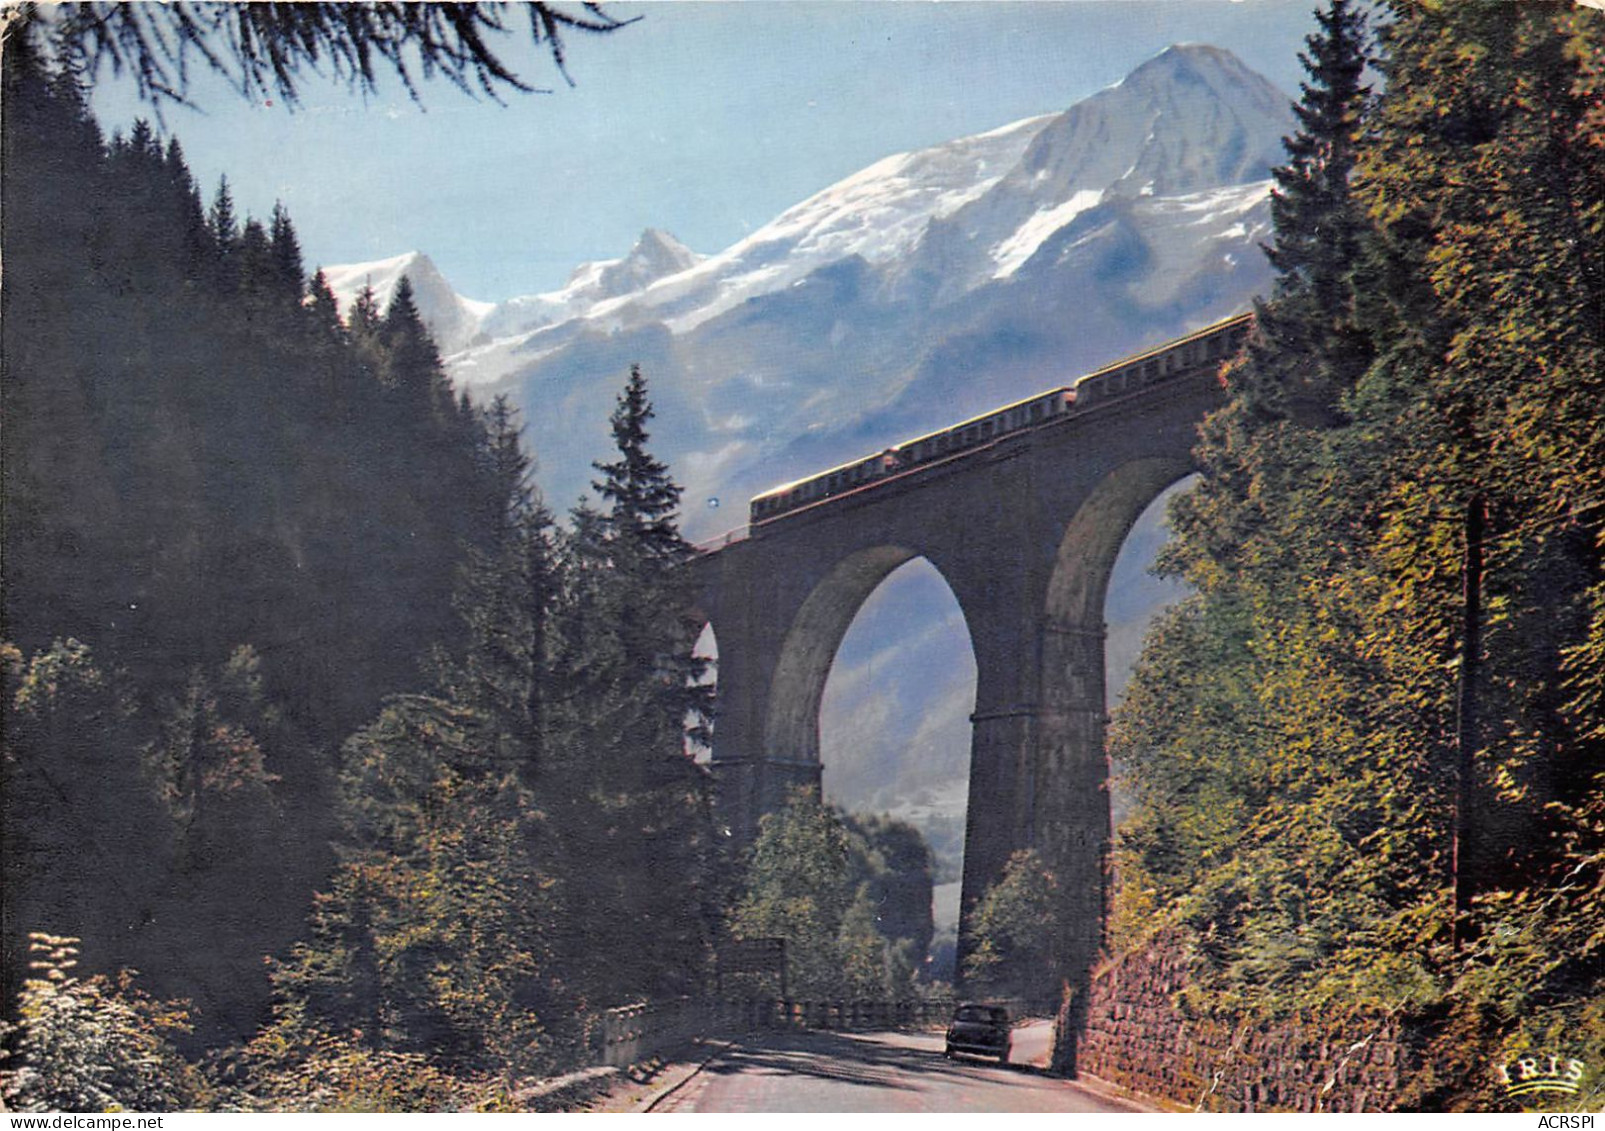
[{"x": 652, "y": 1086}]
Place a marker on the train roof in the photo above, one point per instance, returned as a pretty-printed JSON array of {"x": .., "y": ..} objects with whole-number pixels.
[
  {"x": 1166, "y": 347},
  {"x": 1154, "y": 351},
  {"x": 854, "y": 462}
]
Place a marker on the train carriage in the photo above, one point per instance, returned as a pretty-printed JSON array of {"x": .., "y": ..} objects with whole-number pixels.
[{"x": 1211, "y": 345}]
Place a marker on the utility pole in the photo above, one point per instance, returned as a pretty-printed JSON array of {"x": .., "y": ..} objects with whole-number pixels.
[{"x": 1462, "y": 855}]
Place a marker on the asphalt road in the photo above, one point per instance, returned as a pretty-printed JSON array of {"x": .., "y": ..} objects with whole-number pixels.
[{"x": 872, "y": 1072}]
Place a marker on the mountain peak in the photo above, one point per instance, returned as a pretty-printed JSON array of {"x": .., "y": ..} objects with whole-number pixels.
[
  {"x": 1204, "y": 70},
  {"x": 1192, "y": 118},
  {"x": 656, "y": 255},
  {"x": 655, "y": 241},
  {"x": 452, "y": 318},
  {"x": 1183, "y": 54}
]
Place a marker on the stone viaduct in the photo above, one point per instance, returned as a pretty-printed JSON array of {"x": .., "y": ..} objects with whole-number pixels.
[{"x": 1024, "y": 529}]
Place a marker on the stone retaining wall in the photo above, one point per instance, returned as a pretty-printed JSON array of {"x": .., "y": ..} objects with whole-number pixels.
[{"x": 1137, "y": 1037}]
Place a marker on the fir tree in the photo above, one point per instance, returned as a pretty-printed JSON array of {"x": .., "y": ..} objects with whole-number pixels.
[
  {"x": 221, "y": 220},
  {"x": 642, "y": 544},
  {"x": 414, "y": 362},
  {"x": 198, "y": 248},
  {"x": 1315, "y": 346},
  {"x": 364, "y": 318},
  {"x": 625, "y": 691},
  {"x": 506, "y": 592},
  {"x": 323, "y": 309},
  {"x": 265, "y": 50},
  {"x": 256, "y": 271},
  {"x": 645, "y": 502},
  {"x": 286, "y": 256}
]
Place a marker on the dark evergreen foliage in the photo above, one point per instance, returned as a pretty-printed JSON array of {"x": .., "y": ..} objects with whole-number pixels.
[
  {"x": 1314, "y": 343},
  {"x": 266, "y": 49},
  {"x": 196, "y": 459},
  {"x": 893, "y": 865},
  {"x": 626, "y": 689}
]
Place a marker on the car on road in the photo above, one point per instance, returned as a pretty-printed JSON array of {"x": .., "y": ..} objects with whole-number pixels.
[{"x": 979, "y": 1030}]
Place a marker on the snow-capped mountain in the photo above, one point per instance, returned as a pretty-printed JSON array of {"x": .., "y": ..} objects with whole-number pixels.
[
  {"x": 451, "y": 318},
  {"x": 1192, "y": 120},
  {"x": 656, "y": 255}
]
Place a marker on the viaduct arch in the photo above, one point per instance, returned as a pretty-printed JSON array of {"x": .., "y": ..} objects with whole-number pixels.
[{"x": 1025, "y": 530}]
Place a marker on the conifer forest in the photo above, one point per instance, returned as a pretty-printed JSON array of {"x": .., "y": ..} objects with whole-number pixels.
[{"x": 341, "y": 772}]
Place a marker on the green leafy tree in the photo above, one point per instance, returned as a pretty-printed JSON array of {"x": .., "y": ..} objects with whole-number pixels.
[
  {"x": 813, "y": 880},
  {"x": 1012, "y": 932},
  {"x": 91, "y": 1045},
  {"x": 799, "y": 887},
  {"x": 437, "y": 932},
  {"x": 892, "y": 869}
]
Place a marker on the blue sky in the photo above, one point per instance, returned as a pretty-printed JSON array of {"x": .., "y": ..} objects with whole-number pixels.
[{"x": 704, "y": 119}]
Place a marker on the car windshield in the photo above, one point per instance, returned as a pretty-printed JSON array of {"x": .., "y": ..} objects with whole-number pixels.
[{"x": 979, "y": 1013}]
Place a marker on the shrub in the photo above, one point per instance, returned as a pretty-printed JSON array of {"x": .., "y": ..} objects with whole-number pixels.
[
  {"x": 92, "y": 1044},
  {"x": 294, "y": 1065}
]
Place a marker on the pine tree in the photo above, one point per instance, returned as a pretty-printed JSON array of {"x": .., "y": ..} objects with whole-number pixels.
[
  {"x": 1312, "y": 342},
  {"x": 288, "y": 277},
  {"x": 414, "y": 368},
  {"x": 256, "y": 271},
  {"x": 198, "y": 249},
  {"x": 506, "y": 592},
  {"x": 1315, "y": 346},
  {"x": 364, "y": 318},
  {"x": 266, "y": 50},
  {"x": 323, "y": 309},
  {"x": 623, "y": 641},
  {"x": 222, "y": 223},
  {"x": 645, "y": 502},
  {"x": 642, "y": 544}
]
